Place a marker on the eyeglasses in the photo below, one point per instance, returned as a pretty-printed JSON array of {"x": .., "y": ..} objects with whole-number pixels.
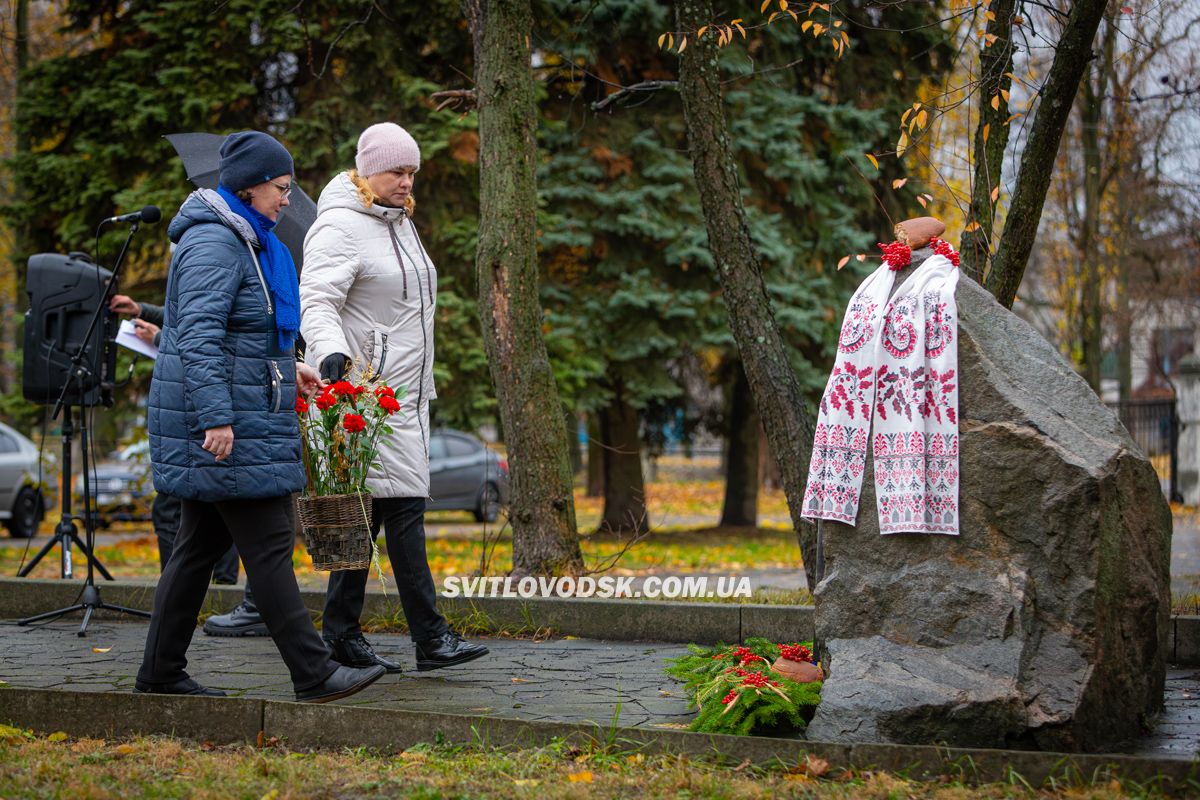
[{"x": 284, "y": 191}]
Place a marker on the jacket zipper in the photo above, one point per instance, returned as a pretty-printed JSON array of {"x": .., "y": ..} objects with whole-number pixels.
[
  {"x": 277, "y": 385},
  {"x": 383, "y": 337},
  {"x": 396, "y": 247},
  {"x": 261, "y": 279}
]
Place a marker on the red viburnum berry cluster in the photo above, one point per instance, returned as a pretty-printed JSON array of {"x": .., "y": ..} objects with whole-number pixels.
[
  {"x": 758, "y": 680},
  {"x": 795, "y": 652},
  {"x": 745, "y": 655},
  {"x": 944, "y": 248},
  {"x": 896, "y": 255},
  {"x": 729, "y": 698}
]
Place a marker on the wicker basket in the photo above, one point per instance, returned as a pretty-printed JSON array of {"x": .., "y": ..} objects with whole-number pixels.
[{"x": 336, "y": 532}]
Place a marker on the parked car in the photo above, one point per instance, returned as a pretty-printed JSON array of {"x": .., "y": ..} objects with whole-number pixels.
[
  {"x": 466, "y": 476},
  {"x": 22, "y": 504},
  {"x": 121, "y": 486}
]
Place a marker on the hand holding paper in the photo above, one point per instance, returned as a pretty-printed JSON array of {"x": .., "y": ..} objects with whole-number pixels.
[{"x": 128, "y": 336}]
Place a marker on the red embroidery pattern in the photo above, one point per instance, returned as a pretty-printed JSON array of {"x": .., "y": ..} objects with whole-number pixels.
[
  {"x": 938, "y": 398},
  {"x": 916, "y": 482},
  {"x": 857, "y": 330},
  {"x": 848, "y": 388},
  {"x": 835, "y": 472},
  {"x": 939, "y": 325},
  {"x": 928, "y": 393},
  {"x": 899, "y": 333}
]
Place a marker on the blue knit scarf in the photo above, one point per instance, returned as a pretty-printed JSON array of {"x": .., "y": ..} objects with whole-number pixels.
[{"x": 278, "y": 268}]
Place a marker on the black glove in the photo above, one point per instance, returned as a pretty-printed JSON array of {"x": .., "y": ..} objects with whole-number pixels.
[{"x": 333, "y": 368}]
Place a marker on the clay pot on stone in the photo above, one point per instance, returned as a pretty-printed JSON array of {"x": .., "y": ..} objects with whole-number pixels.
[{"x": 798, "y": 671}]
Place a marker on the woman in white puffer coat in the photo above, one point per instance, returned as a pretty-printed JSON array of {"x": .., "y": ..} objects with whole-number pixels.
[{"x": 368, "y": 293}]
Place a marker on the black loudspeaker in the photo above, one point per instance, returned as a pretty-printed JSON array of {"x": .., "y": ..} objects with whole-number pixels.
[{"x": 64, "y": 293}]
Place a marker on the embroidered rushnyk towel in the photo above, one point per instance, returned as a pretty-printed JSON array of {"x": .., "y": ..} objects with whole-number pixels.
[{"x": 894, "y": 386}]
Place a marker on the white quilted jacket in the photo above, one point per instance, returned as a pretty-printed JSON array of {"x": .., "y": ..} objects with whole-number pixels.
[{"x": 372, "y": 299}]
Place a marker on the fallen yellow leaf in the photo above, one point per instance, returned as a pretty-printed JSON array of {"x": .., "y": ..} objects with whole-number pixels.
[
  {"x": 57, "y": 736},
  {"x": 101, "y": 649},
  {"x": 580, "y": 777}
]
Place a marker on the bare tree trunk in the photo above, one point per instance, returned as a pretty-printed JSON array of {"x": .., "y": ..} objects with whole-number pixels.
[
  {"x": 1092, "y": 262},
  {"x": 1071, "y": 57},
  {"x": 776, "y": 390},
  {"x": 741, "y": 455},
  {"x": 991, "y": 138},
  {"x": 576, "y": 452},
  {"x": 545, "y": 538},
  {"x": 768, "y": 470},
  {"x": 9, "y": 328},
  {"x": 1124, "y": 332},
  {"x": 624, "y": 486},
  {"x": 595, "y": 461},
  {"x": 1090, "y": 308}
]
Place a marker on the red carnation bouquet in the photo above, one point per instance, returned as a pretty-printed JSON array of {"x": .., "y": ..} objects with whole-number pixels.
[{"x": 341, "y": 429}]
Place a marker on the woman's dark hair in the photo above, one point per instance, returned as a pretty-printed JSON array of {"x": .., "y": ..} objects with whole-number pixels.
[{"x": 243, "y": 195}]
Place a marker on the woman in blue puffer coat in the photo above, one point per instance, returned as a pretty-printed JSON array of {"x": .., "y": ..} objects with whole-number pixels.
[{"x": 224, "y": 436}]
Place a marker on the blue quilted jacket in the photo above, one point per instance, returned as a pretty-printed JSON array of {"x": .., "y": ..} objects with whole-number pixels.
[{"x": 219, "y": 363}]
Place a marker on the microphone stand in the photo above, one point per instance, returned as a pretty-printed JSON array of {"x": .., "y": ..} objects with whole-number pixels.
[{"x": 89, "y": 600}]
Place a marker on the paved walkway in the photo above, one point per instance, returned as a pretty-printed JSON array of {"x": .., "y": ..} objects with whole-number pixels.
[{"x": 565, "y": 680}]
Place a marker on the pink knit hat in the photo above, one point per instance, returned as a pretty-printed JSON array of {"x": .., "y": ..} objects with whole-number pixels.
[{"x": 385, "y": 146}]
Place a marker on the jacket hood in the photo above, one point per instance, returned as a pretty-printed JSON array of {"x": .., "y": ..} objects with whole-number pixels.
[
  {"x": 205, "y": 206},
  {"x": 342, "y": 193}
]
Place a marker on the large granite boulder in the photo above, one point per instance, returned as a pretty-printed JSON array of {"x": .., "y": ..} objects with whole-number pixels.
[{"x": 1044, "y": 623}]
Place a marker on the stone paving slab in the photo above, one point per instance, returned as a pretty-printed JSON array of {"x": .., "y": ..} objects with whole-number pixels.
[{"x": 563, "y": 680}]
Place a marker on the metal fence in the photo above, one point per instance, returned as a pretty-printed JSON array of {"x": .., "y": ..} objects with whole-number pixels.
[{"x": 1154, "y": 425}]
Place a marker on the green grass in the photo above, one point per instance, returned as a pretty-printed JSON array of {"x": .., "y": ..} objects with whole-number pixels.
[{"x": 161, "y": 767}]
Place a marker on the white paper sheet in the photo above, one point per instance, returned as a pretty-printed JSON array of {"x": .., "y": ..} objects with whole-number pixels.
[{"x": 127, "y": 337}]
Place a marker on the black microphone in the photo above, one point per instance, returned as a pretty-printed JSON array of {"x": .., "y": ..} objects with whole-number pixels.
[{"x": 148, "y": 215}]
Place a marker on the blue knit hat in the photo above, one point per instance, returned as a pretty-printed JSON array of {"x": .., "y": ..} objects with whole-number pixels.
[{"x": 249, "y": 158}]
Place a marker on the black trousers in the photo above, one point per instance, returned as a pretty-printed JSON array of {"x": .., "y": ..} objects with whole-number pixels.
[
  {"x": 165, "y": 512},
  {"x": 403, "y": 520},
  {"x": 264, "y": 532}
]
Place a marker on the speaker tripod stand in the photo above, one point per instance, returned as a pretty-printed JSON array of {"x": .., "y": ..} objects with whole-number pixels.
[{"x": 67, "y": 534}]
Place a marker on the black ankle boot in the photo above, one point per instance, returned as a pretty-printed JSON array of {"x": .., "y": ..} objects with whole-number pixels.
[
  {"x": 446, "y": 651},
  {"x": 244, "y": 620},
  {"x": 353, "y": 650},
  {"x": 342, "y": 683}
]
